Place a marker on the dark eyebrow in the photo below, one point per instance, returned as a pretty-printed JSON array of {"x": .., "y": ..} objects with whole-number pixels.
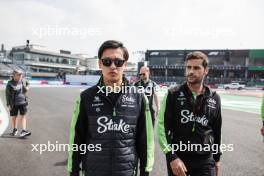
[{"x": 196, "y": 66}]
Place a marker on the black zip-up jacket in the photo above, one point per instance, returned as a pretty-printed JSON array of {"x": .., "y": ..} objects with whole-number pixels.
[
  {"x": 184, "y": 119},
  {"x": 10, "y": 91},
  {"x": 122, "y": 130}
]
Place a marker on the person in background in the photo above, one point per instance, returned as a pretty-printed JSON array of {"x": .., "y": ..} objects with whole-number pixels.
[
  {"x": 150, "y": 92},
  {"x": 17, "y": 102}
]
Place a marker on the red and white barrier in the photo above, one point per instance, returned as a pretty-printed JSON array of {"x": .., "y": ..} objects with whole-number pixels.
[
  {"x": 44, "y": 82},
  {"x": 87, "y": 81}
]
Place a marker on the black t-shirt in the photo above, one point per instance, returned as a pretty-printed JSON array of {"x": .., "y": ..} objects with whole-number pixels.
[{"x": 20, "y": 97}]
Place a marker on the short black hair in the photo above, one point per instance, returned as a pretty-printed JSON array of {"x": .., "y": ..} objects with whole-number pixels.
[
  {"x": 113, "y": 44},
  {"x": 198, "y": 55}
]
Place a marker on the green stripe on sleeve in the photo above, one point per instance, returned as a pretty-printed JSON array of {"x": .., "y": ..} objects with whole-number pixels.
[
  {"x": 150, "y": 137},
  {"x": 160, "y": 127},
  {"x": 72, "y": 134}
]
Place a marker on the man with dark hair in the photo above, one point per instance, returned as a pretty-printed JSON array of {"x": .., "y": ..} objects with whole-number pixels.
[
  {"x": 190, "y": 116},
  {"x": 150, "y": 91},
  {"x": 112, "y": 44},
  {"x": 118, "y": 124},
  {"x": 16, "y": 100}
]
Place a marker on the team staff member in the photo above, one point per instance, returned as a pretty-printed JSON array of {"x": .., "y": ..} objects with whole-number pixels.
[
  {"x": 150, "y": 91},
  {"x": 120, "y": 123},
  {"x": 16, "y": 99},
  {"x": 191, "y": 114}
]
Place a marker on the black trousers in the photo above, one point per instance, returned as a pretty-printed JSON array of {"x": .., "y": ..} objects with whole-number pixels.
[{"x": 197, "y": 166}]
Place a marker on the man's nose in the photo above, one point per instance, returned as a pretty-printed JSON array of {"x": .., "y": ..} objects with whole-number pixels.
[
  {"x": 191, "y": 70},
  {"x": 113, "y": 66}
]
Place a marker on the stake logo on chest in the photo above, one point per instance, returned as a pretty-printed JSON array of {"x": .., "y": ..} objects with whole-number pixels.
[{"x": 109, "y": 125}]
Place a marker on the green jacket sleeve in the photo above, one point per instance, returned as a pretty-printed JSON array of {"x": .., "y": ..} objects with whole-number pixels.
[
  {"x": 77, "y": 137},
  {"x": 164, "y": 128},
  {"x": 145, "y": 139}
]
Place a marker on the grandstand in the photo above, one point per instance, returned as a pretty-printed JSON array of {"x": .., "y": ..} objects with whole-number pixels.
[
  {"x": 38, "y": 61},
  {"x": 225, "y": 66}
]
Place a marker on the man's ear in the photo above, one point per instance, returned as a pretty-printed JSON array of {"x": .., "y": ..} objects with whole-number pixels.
[
  {"x": 100, "y": 63},
  {"x": 206, "y": 71},
  {"x": 125, "y": 66}
]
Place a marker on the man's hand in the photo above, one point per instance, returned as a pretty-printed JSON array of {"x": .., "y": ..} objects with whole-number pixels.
[
  {"x": 178, "y": 167},
  {"x": 217, "y": 168},
  {"x": 262, "y": 131},
  {"x": 9, "y": 108}
]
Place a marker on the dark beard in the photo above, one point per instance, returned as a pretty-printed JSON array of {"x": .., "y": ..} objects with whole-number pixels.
[{"x": 195, "y": 81}]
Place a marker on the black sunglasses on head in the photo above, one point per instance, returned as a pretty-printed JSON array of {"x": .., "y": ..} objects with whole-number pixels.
[
  {"x": 117, "y": 61},
  {"x": 142, "y": 74}
]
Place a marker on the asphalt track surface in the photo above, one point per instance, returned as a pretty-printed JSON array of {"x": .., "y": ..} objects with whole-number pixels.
[{"x": 49, "y": 119}]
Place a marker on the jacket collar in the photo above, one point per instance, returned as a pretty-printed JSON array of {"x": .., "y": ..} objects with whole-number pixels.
[{"x": 207, "y": 91}]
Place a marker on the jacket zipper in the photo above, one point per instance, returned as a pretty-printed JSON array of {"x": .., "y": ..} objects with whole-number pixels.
[{"x": 114, "y": 114}]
